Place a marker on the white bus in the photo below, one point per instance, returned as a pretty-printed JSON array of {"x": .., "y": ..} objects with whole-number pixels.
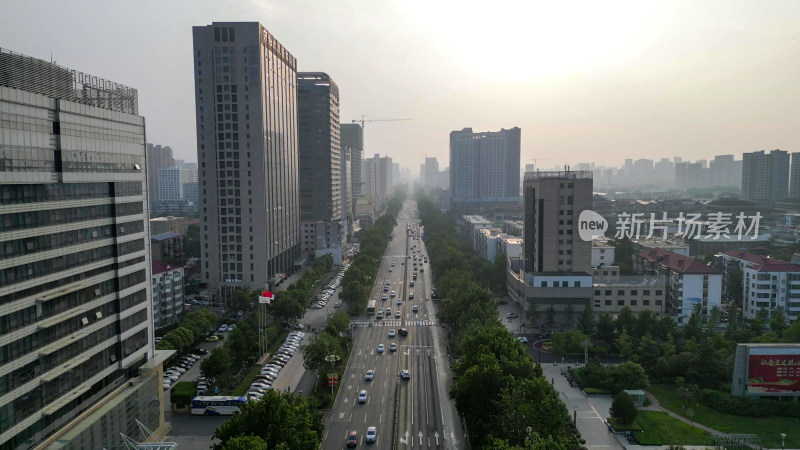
[
  {"x": 217, "y": 405},
  {"x": 371, "y": 307}
]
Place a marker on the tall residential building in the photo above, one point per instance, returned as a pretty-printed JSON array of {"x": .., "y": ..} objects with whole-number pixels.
[
  {"x": 767, "y": 283},
  {"x": 553, "y": 202},
  {"x": 158, "y": 157},
  {"x": 794, "y": 181},
  {"x": 246, "y": 108},
  {"x": 352, "y": 137},
  {"x": 177, "y": 184},
  {"x": 77, "y": 365},
  {"x": 377, "y": 179},
  {"x": 725, "y": 171},
  {"x": 430, "y": 172},
  {"x": 484, "y": 167},
  {"x": 320, "y": 159},
  {"x": 765, "y": 176}
]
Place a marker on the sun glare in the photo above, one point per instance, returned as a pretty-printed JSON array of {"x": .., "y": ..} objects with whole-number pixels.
[{"x": 515, "y": 41}]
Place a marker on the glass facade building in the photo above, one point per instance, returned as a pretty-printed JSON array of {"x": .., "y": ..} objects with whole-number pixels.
[
  {"x": 246, "y": 111},
  {"x": 75, "y": 312}
]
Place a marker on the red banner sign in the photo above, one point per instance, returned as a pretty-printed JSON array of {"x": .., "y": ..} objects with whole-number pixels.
[{"x": 774, "y": 373}]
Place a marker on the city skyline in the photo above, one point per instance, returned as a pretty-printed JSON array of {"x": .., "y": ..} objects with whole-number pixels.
[{"x": 691, "y": 80}]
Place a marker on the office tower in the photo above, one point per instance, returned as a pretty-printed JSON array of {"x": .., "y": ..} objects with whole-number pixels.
[
  {"x": 443, "y": 178},
  {"x": 794, "y": 182},
  {"x": 176, "y": 184},
  {"x": 246, "y": 108},
  {"x": 530, "y": 168},
  {"x": 77, "y": 364},
  {"x": 395, "y": 174},
  {"x": 347, "y": 191},
  {"x": 430, "y": 172},
  {"x": 320, "y": 159},
  {"x": 158, "y": 157},
  {"x": 664, "y": 171},
  {"x": 378, "y": 179},
  {"x": 485, "y": 166},
  {"x": 765, "y": 176},
  {"x": 318, "y": 147},
  {"x": 553, "y": 201},
  {"x": 352, "y": 137}
]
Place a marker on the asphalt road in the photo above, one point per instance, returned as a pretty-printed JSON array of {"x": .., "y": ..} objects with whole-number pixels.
[{"x": 415, "y": 412}]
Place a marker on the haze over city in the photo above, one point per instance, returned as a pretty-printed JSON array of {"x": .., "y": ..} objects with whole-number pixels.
[{"x": 585, "y": 82}]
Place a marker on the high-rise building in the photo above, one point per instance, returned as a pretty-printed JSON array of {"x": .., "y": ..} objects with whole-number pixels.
[
  {"x": 794, "y": 181},
  {"x": 246, "y": 108},
  {"x": 176, "y": 184},
  {"x": 318, "y": 147},
  {"x": 347, "y": 190},
  {"x": 377, "y": 179},
  {"x": 320, "y": 159},
  {"x": 725, "y": 171},
  {"x": 352, "y": 137},
  {"x": 553, "y": 202},
  {"x": 430, "y": 172},
  {"x": 77, "y": 366},
  {"x": 484, "y": 167},
  {"x": 158, "y": 157},
  {"x": 765, "y": 176}
]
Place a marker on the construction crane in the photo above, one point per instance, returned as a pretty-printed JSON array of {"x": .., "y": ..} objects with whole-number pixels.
[{"x": 363, "y": 121}]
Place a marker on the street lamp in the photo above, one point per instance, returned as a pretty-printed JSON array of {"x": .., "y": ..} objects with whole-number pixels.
[
  {"x": 332, "y": 359},
  {"x": 783, "y": 440}
]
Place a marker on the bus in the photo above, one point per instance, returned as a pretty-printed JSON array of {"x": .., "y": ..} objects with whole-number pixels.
[
  {"x": 217, "y": 405},
  {"x": 371, "y": 307}
]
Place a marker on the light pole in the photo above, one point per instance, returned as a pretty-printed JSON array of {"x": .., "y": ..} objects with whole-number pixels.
[
  {"x": 783, "y": 440},
  {"x": 332, "y": 359}
]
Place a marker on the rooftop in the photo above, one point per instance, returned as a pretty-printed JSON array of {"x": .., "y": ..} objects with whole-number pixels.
[
  {"x": 566, "y": 174},
  {"x": 161, "y": 267},
  {"x": 677, "y": 262},
  {"x": 763, "y": 263},
  {"x": 164, "y": 236}
]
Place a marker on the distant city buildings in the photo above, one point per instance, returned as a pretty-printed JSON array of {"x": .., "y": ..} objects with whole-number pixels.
[
  {"x": 765, "y": 176},
  {"x": 484, "y": 167},
  {"x": 175, "y": 184},
  {"x": 246, "y": 109},
  {"x": 77, "y": 361},
  {"x": 158, "y": 157},
  {"x": 377, "y": 176}
]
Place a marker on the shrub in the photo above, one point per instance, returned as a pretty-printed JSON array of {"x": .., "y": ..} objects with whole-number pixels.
[
  {"x": 741, "y": 406},
  {"x": 623, "y": 409}
]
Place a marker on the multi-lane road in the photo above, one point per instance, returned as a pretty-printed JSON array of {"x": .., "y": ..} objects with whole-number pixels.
[{"x": 410, "y": 413}]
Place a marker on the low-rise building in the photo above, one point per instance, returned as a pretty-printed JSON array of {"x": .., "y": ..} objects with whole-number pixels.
[
  {"x": 168, "y": 295},
  {"x": 674, "y": 245},
  {"x": 514, "y": 227},
  {"x": 767, "y": 283},
  {"x": 167, "y": 247},
  {"x": 689, "y": 282},
  {"x": 174, "y": 224},
  {"x": 602, "y": 252},
  {"x": 639, "y": 293},
  {"x": 471, "y": 225}
]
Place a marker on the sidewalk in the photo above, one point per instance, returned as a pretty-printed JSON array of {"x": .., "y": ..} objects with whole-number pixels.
[{"x": 655, "y": 406}]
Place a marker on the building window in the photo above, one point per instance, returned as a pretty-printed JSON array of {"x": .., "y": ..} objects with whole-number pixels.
[
  {"x": 620, "y": 302},
  {"x": 544, "y": 283}
]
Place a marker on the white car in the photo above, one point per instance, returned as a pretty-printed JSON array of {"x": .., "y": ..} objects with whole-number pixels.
[
  {"x": 391, "y": 333},
  {"x": 362, "y": 397},
  {"x": 372, "y": 434},
  {"x": 370, "y": 375},
  {"x": 380, "y": 348}
]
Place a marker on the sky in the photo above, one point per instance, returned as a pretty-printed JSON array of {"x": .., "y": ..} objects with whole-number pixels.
[{"x": 586, "y": 81}]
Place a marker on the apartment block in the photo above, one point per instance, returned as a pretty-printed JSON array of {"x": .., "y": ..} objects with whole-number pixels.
[
  {"x": 168, "y": 299},
  {"x": 767, "y": 283},
  {"x": 688, "y": 282}
]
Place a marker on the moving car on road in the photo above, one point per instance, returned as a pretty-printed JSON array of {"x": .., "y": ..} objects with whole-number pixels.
[
  {"x": 370, "y": 375},
  {"x": 405, "y": 374},
  {"x": 362, "y": 396},
  {"x": 372, "y": 434},
  {"x": 352, "y": 439}
]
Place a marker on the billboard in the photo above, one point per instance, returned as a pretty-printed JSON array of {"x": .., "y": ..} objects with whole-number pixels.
[
  {"x": 689, "y": 305},
  {"x": 773, "y": 374}
]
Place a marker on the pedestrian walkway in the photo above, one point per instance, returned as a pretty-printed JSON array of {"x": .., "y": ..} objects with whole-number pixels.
[
  {"x": 394, "y": 323},
  {"x": 655, "y": 406}
]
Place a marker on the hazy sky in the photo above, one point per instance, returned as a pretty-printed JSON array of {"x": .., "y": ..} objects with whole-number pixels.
[{"x": 586, "y": 81}]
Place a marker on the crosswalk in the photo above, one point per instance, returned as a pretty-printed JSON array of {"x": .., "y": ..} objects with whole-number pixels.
[{"x": 394, "y": 323}]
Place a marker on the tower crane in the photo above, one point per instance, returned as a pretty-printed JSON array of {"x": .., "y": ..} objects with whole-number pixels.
[{"x": 364, "y": 120}]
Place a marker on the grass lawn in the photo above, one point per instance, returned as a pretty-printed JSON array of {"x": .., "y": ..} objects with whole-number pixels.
[
  {"x": 619, "y": 427},
  {"x": 661, "y": 429},
  {"x": 767, "y": 428}
]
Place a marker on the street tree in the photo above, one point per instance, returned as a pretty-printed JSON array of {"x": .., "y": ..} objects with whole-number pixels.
[
  {"x": 623, "y": 409},
  {"x": 320, "y": 346},
  {"x": 282, "y": 421},
  {"x": 586, "y": 321},
  {"x": 217, "y": 366}
]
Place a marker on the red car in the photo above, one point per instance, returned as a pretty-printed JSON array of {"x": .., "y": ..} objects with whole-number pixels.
[{"x": 352, "y": 439}]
